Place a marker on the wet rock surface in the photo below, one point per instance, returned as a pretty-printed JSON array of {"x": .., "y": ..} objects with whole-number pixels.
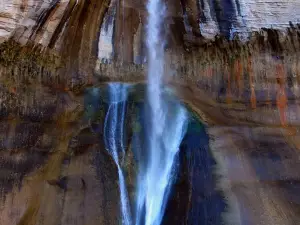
[{"x": 234, "y": 63}]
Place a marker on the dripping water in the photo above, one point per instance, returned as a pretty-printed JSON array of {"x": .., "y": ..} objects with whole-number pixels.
[{"x": 113, "y": 140}]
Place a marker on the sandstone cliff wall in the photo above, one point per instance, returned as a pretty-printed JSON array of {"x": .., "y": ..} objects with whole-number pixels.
[{"x": 244, "y": 84}]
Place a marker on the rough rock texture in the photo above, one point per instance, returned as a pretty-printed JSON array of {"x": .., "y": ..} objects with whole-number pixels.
[
  {"x": 243, "y": 83},
  {"x": 51, "y": 23},
  {"x": 256, "y": 147}
]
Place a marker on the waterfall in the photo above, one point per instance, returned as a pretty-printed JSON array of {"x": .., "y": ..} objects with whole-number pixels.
[
  {"x": 113, "y": 140},
  {"x": 165, "y": 128},
  {"x": 165, "y": 121}
]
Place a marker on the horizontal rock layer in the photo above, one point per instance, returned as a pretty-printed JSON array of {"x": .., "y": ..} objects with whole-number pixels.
[{"x": 90, "y": 29}]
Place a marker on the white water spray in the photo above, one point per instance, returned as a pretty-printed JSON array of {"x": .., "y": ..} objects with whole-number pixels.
[
  {"x": 113, "y": 139},
  {"x": 166, "y": 129}
]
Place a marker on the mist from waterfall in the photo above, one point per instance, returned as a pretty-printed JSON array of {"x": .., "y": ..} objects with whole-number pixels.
[
  {"x": 114, "y": 137},
  {"x": 165, "y": 128},
  {"x": 164, "y": 125}
]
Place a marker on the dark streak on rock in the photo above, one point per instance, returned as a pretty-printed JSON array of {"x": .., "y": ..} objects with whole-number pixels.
[{"x": 43, "y": 17}]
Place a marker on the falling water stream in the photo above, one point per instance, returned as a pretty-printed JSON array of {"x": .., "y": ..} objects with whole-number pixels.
[
  {"x": 113, "y": 139},
  {"x": 165, "y": 128},
  {"x": 163, "y": 174},
  {"x": 165, "y": 125}
]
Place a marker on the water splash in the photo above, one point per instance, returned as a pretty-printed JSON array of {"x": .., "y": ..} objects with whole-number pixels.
[
  {"x": 164, "y": 142},
  {"x": 113, "y": 139}
]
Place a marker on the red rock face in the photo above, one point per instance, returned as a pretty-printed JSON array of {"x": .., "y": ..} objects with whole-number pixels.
[{"x": 54, "y": 170}]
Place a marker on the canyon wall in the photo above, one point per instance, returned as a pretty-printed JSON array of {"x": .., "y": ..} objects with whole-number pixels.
[
  {"x": 235, "y": 63},
  {"x": 86, "y": 23}
]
